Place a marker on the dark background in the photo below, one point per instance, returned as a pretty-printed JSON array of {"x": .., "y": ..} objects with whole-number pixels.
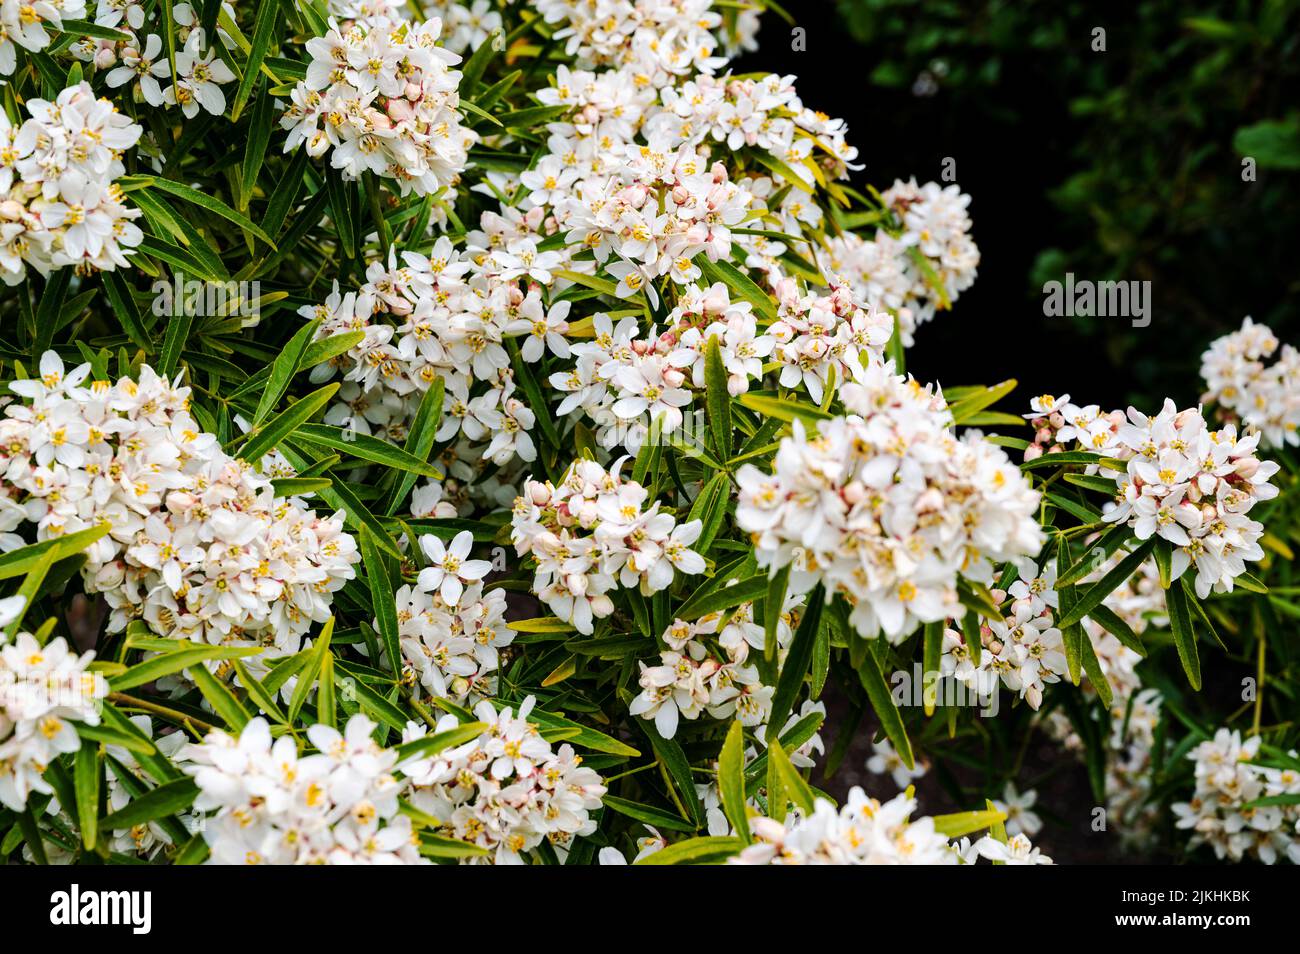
[{"x": 1011, "y": 118}]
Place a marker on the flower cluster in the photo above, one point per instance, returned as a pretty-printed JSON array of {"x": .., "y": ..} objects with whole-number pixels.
[
  {"x": 275, "y": 806},
  {"x": 140, "y": 61},
  {"x": 1194, "y": 488},
  {"x": 824, "y": 340},
  {"x": 198, "y": 545},
  {"x": 381, "y": 97},
  {"x": 625, "y": 383},
  {"x": 1260, "y": 396},
  {"x": 662, "y": 205},
  {"x": 1060, "y": 425},
  {"x": 465, "y": 26},
  {"x": 454, "y": 312},
  {"x": 887, "y": 506},
  {"x": 867, "y": 832},
  {"x": 763, "y": 112},
  {"x": 508, "y": 789},
  {"x": 691, "y": 679},
  {"x": 44, "y": 690},
  {"x": 59, "y": 204},
  {"x": 1228, "y": 778},
  {"x": 918, "y": 268},
  {"x": 657, "y": 38},
  {"x": 451, "y": 630},
  {"x": 26, "y": 25},
  {"x": 594, "y": 532}
]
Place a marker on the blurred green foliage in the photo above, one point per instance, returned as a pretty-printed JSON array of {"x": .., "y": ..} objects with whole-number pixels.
[{"x": 1147, "y": 142}]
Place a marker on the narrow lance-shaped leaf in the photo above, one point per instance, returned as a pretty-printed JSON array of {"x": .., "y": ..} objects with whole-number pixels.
[
  {"x": 882, "y": 701},
  {"x": 796, "y": 662},
  {"x": 731, "y": 779}
]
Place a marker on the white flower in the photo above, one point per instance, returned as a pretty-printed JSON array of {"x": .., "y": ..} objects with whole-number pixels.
[
  {"x": 450, "y": 568},
  {"x": 506, "y": 790},
  {"x": 198, "y": 78},
  {"x": 1193, "y": 487},
  {"x": 1016, "y": 806},
  {"x": 275, "y": 806},
  {"x": 44, "y": 690},
  {"x": 886, "y": 761},
  {"x": 382, "y": 97},
  {"x": 200, "y": 546},
  {"x": 887, "y": 505},
  {"x": 1017, "y": 850}
]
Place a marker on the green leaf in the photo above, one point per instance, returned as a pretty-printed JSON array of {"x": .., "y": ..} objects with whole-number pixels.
[
  {"x": 223, "y": 701},
  {"x": 124, "y": 307},
  {"x": 300, "y": 486},
  {"x": 31, "y": 586},
  {"x": 731, "y": 779},
  {"x": 283, "y": 369},
  {"x": 882, "y": 701},
  {"x": 785, "y": 409},
  {"x": 1272, "y": 143},
  {"x": 670, "y": 756},
  {"x": 1180, "y": 621},
  {"x": 259, "y": 137},
  {"x": 86, "y": 28},
  {"x": 174, "y": 337},
  {"x": 165, "y": 665},
  {"x": 724, "y": 598},
  {"x": 433, "y": 744},
  {"x": 647, "y": 814},
  {"x": 976, "y": 596},
  {"x": 737, "y": 281},
  {"x": 264, "y": 439},
  {"x": 419, "y": 442},
  {"x": 1249, "y": 583},
  {"x": 194, "y": 852},
  {"x": 110, "y": 736},
  {"x": 1108, "y": 620},
  {"x": 23, "y": 560},
  {"x": 258, "y": 692},
  {"x": 584, "y": 737},
  {"x": 706, "y": 850},
  {"x": 710, "y": 508},
  {"x": 374, "y": 705},
  {"x": 773, "y": 605},
  {"x": 718, "y": 398},
  {"x": 960, "y": 824},
  {"x": 341, "y": 497},
  {"x": 797, "y": 660},
  {"x": 365, "y": 447},
  {"x": 88, "y": 770},
  {"x": 210, "y": 204},
  {"x": 1062, "y": 459},
  {"x": 796, "y": 789},
  {"x": 536, "y": 399},
  {"x": 311, "y": 671},
  {"x": 381, "y": 596},
  {"x": 166, "y": 799},
  {"x": 264, "y": 28},
  {"x": 1106, "y": 585},
  {"x": 932, "y": 651}
]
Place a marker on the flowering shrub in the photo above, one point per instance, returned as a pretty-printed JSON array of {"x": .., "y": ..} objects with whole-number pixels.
[{"x": 481, "y": 433}]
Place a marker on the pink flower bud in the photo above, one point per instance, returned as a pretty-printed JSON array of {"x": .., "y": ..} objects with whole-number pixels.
[{"x": 1246, "y": 467}]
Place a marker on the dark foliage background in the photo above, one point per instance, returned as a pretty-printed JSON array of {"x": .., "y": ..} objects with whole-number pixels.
[{"x": 1124, "y": 164}]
